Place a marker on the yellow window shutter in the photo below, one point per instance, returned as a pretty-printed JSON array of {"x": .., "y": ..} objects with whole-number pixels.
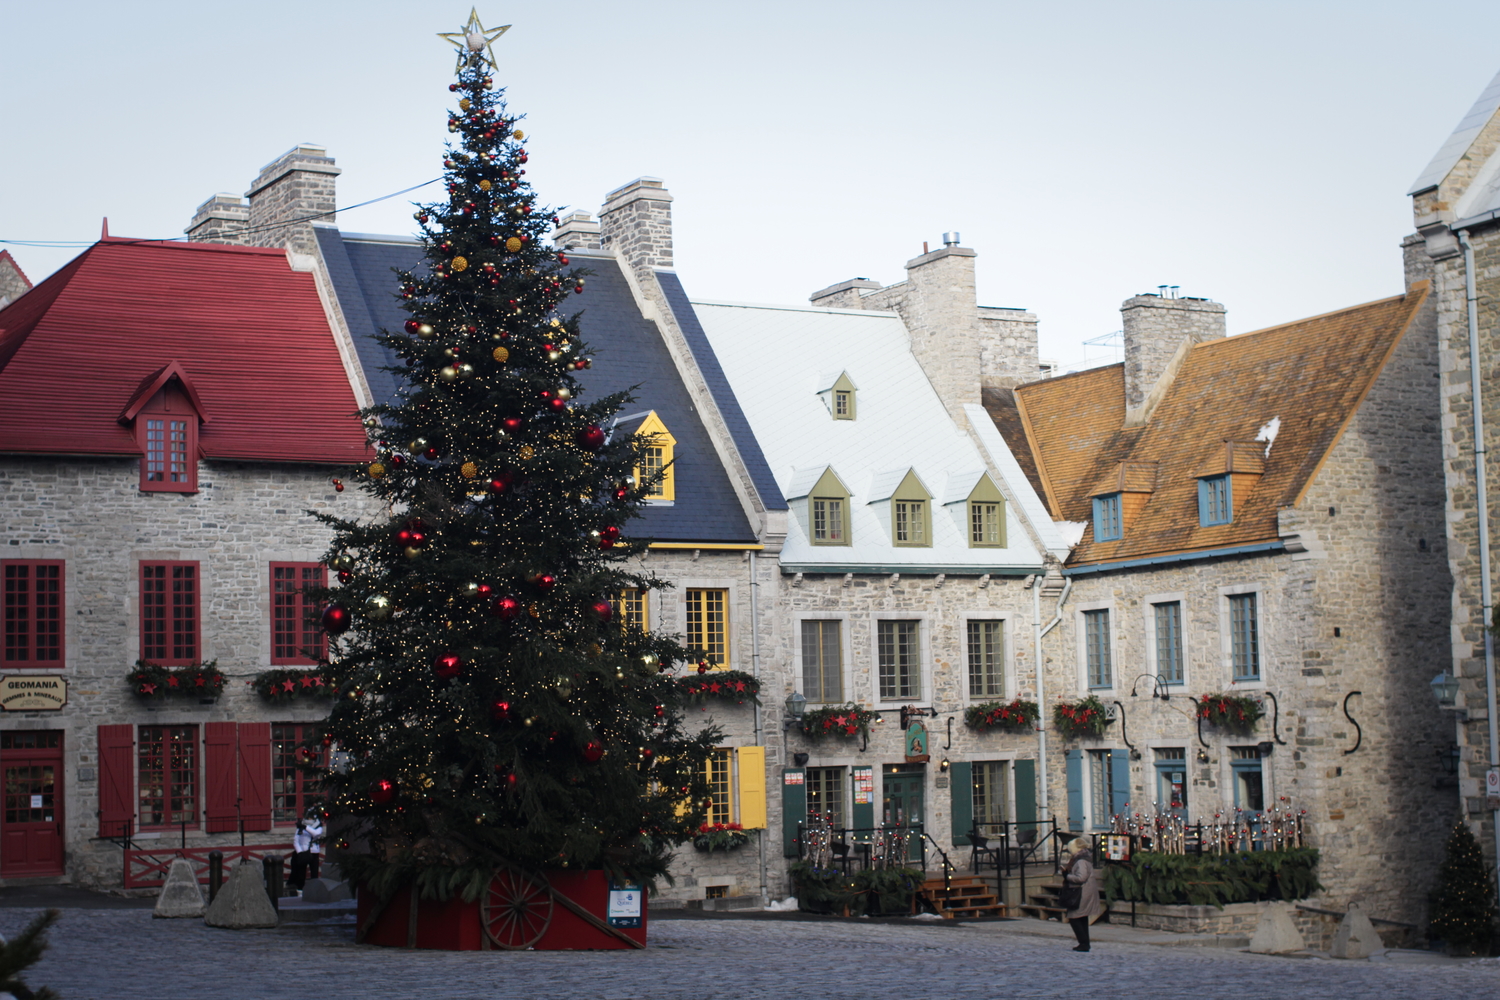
[{"x": 752, "y": 787}]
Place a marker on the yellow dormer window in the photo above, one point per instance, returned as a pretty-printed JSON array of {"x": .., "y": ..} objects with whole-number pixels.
[
  {"x": 839, "y": 397},
  {"x": 986, "y": 515},
  {"x": 656, "y": 459},
  {"x": 911, "y": 513}
]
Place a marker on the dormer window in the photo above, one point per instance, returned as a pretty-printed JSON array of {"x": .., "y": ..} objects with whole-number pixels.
[
  {"x": 1215, "y": 500},
  {"x": 825, "y": 515},
  {"x": 165, "y": 412},
  {"x": 838, "y": 395},
  {"x": 911, "y": 513},
  {"x": 977, "y": 507},
  {"x": 1108, "y": 526},
  {"x": 656, "y": 459}
]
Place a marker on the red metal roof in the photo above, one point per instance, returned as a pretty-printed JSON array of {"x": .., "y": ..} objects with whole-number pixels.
[{"x": 251, "y": 332}]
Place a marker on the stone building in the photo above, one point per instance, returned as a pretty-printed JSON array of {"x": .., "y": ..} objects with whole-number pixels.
[
  {"x": 1259, "y": 516},
  {"x": 1456, "y": 205}
]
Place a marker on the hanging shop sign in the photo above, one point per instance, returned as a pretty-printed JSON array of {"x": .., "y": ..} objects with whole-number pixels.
[
  {"x": 33, "y": 693},
  {"x": 916, "y": 743}
]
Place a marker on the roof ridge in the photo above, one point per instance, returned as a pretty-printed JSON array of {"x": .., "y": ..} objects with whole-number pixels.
[{"x": 1298, "y": 322}]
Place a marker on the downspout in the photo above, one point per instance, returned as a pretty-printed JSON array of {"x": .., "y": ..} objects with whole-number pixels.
[
  {"x": 759, "y": 731},
  {"x": 1481, "y": 501},
  {"x": 1041, "y": 698}
]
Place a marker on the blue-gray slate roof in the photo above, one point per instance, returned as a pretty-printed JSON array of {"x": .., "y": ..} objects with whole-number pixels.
[{"x": 628, "y": 353}]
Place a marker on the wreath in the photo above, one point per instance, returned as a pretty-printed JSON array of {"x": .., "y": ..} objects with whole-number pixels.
[
  {"x": 728, "y": 685},
  {"x": 1081, "y": 718},
  {"x": 148, "y": 680},
  {"x": 1012, "y": 717},
  {"x": 838, "y": 720},
  {"x": 1233, "y": 712},
  {"x": 281, "y": 687}
]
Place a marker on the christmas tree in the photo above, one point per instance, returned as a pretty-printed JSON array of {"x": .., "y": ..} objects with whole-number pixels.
[
  {"x": 1463, "y": 904},
  {"x": 492, "y": 713}
]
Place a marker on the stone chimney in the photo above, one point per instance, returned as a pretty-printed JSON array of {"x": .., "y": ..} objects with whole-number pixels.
[
  {"x": 296, "y": 185},
  {"x": 941, "y": 312},
  {"x": 1156, "y": 328},
  {"x": 844, "y": 295},
  {"x": 636, "y": 222},
  {"x": 577, "y": 229},
  {"x": 219, "y": 220}
]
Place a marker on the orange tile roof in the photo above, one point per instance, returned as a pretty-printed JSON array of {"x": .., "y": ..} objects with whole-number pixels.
[{"x": 1312, "y": 374}]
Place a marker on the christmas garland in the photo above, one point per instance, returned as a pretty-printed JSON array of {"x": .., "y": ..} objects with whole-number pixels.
[
  {"x": 729, "y": 685},
  {"x": 1233, "y": 712},
  {"x": 1081, "y": 718},
  {"x": 281, "y": 687},
  {"x": 838, "y": 720},
  {"x": 148, "y": 680},
  {"x": 720, "y": 836},
  {"x": 1013, "y": 717}
]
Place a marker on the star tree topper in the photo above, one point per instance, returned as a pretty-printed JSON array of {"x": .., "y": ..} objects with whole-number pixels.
[{"x": 474, "y": 39}]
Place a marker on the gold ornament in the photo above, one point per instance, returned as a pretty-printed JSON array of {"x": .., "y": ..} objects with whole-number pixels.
[
  {"x": 448, "y": 373},
  {"x": 468, "y": 470},
  {"x": 464, "y": 104},
  {"x": 527, "y": 452},
  {"x": 484, "y": 185},
  {"x": 520, "y": 135},
  {"x": 376, "y": 470},
  {"x": 377, "y": 607},
  {"x": 417, "y": 445},
  {"x": 412, "y": 553},
  {"x": 534, "y": 611},
  {"x": 564, "y": 393},
  {"x": 500, "y": 354},
  {"x": 426, "y": 332},
  {"x": 465, "y": 370},
  {"x": 596, "y": 650},
  {"x": 513, "y": 244},
  {"x": 460, "y": 263}
]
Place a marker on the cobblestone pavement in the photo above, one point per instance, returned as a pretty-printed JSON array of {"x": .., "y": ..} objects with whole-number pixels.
[{"x": 120, "y": 954}]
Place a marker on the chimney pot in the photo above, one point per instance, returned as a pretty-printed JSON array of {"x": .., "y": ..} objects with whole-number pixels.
[{"x": 950, "y": 239}]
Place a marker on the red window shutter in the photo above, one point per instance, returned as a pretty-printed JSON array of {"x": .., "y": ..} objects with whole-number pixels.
[
  {"x": 220, "y": 770},
  {"x": 116, "y": 780},
  {"x": 255, "y": 774}
]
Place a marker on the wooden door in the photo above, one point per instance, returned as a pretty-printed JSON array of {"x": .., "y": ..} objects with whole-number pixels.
[
  {"x": 31, "y": 822},
  {"x": 904, "y": 807}
]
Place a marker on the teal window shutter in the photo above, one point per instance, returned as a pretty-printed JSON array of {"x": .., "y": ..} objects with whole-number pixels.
[
  {"x": 793, "y": 808},
  {"x": 961, "y": 790},
  {"x": 1024, "y": 772},
  {"x": 1215, "y": 503},
  {"x": 1075, "y": 789},
  {"x": 863, "y": 815},
  {"x": 1119, "y": 783}
]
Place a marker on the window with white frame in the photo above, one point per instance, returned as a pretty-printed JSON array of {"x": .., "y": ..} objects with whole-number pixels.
[
  {"x": 986, "y": 642},
  {"x": 898, "y": 651},
  {"x": 1244, "y": 637},
  {"x": 1097, "y": 653},
  {"x": 1167, "y": 619}
]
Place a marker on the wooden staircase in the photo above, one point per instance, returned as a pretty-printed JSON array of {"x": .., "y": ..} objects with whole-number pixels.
[
  {"x": 971, "y": 897},
  {"x": 1043, "y": 903}
]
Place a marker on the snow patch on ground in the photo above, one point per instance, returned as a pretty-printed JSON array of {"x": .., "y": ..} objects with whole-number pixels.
[
  {"x": 1268, "y": 432},
  {"x": 785, "y": 906}
]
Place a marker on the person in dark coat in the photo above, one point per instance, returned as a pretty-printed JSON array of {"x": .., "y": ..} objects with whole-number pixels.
[{"x": 1079, "y": 871}]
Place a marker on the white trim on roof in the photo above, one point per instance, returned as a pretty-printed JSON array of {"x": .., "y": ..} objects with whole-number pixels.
[
  {"x": 1031, "y": 505},
  {"x": 878, "y": 313}
]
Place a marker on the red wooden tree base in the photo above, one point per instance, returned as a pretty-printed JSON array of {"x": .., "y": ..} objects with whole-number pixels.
[{"x": 566, "y": 911}]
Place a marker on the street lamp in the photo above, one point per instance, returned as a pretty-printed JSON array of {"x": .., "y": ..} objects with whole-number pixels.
[
  {"x": 1445, "y": 689},
  {"x": 796, "y": 708}
]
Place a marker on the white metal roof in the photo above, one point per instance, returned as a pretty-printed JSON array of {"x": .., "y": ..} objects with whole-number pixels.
[
  {"x": 1463, "y": 136},
  {"x": 775, "y": 358}
]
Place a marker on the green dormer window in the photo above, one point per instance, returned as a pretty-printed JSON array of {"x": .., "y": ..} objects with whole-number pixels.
[
  {"x": 986, "y": 515},
  {"x": 828, "y": 510},
  {"x": 911, "y": 513},
  {"x": 838, "y": 394}
]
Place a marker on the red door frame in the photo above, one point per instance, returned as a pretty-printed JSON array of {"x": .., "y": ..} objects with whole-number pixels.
[{"x": 28, "y": 757}]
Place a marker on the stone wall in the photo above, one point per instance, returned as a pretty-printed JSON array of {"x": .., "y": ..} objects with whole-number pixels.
[
  {"x": 92, "y": 514},
  {"x": 1008, "y": 353},
  {"x": 636, "y": 223},
  {"x": 1154, "y": 328}
]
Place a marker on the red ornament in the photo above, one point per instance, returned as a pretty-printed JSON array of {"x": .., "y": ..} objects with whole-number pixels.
[
  {"x": 338, "y": 486},
  {"x": 558, "y": 405},
  {"x": 606, "y": 544},
  {"x": 604, "y": 610},
  {"x": 382, "y": 791},
  {"x": 335, "y": 619},
  {"x": 702, "y": 666},
  {"x": 592, "y": 751},
  {"x": 345, "y": 576},
  {"x": 506, "y": 607},
  {"x": 500, "y": 711},
  {"x": 501, "y": 482},
  {"x": 512, "y": 424},
  {"x": 448, "y": 666},
  {"x": 591, "y": 438},
  {"x": 621, "y": 493},
  {"x": 545, "y": 582},
  {"x": 483, "y": 591},
  {"x": 562, "y": 259},
  {"x": 610, "y": 532}
]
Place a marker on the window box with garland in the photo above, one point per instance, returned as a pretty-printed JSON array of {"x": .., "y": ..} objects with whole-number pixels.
[
  {"x": 1076, "y": 719},
  {"x": 199, "y": 680},
  {"x": 1011, "y": 717},
  {"x": 291, "y": 687},
  {"x": 1232, "y": 713},
  {"x": 725, "y": 685},
  {"x": 720, "y": 837},
  {"x": 838, "y": 720}
]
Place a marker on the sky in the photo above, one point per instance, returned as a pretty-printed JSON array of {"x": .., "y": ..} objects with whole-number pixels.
[{"x": 1256, "y": 153}]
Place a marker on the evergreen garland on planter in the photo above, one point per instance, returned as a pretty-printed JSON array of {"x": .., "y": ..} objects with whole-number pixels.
[
  {"x": 284, "y": 687},
  {"x": 201, "y": 680},
  {"x": 1231, "y": 712},
  {"x": 838, "y": 720},
  {"x": 1086, "y": 717},
  {"x": 720, "y": 836},
  {"x": 1462, "y": 910},
  {"x": 1214, "y": 880},
  {"x": 1013, "y": 717},
  {"x": 726, "y": 685}
]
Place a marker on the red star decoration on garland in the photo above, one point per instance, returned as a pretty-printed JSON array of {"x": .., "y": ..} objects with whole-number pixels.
[
  {"x": 148, "y": 689},
  {"x": 318, "y": 680},
  {"x": 307, "y": 682},
  {"x": 171, "y": 682},
  {"x": 739, "y": 685},
  {"x": 288, "y": 686},
  {"x": 198, "y": 681}
]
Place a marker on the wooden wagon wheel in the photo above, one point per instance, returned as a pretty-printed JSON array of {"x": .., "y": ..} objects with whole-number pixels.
[{"x": 515, "y": 911}]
